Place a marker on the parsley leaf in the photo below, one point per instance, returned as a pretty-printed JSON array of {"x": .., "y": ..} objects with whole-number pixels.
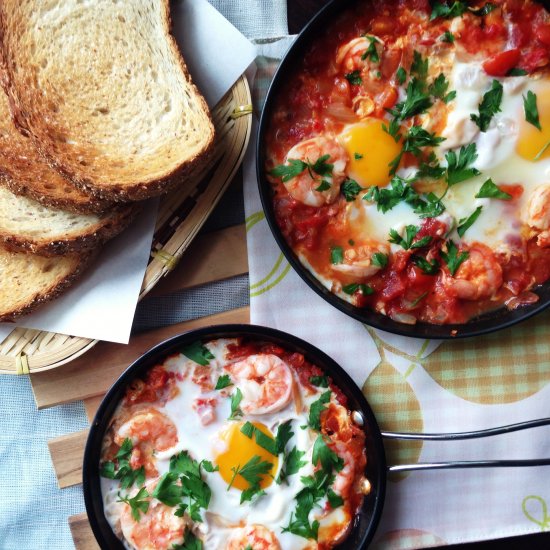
[
  {"x": 452, "y": 258},
  {"x": 542, "y": 151},
  {"x": 336, "y": 255},
  {"x": 263, "y": 440},
  {"x": 190, "y": 542},
  {"x": 324, "y": 455},
  {"x": 484, "y": 10},
  {"x": 386, "y": 198},
  {"x": 416, "y": 102},
  {"x": 315, "y": 410},
  {"x": 138, "y": 504},
  {"x": 352, "y": 288},
  {"x": 288, "y": 171},
  {"x": 350, "y": 189},
  {"x": 123, "y": 471},
  {"x": 319, "y": 381},
  {"x": 458, "y": 169},
  {"x": 531, "y": 110},
  {"x": 323, "y": 186},
  {"x": 400, "y": 75},
  {"x": 371, "y": 52},
  {"x": 427, "y": 267},
  {"x": 292, "y": 463},
  {"x": 284, "y": 435},
  {"x": 198, "y": 353},
  {"x": 168, "y": 490},
  {"x": 429, "y": 208},
  {"x": 489, "y": 106},
  {"x": 419, "y": 67},
  {"x": 447, "y": 36},
  {"x": 236, "y": 399},
  {"x": 379, "y": 259},
  {"x": 448, "y": 12},
  {"x": 334, "y": 500},
  {"x": 418, "y": 137},
  {"x": 465, "y": 223},
  {"x": 252, "y": 472},
  {"x": 321, "y": 166},
  {"x": 438, "y": 88},
  {"x": 224, "y": 381},
  {"x": 357, "y": 156},
  {"x": 354, "y": 78},
  {"x": 516, "y": 71},
  {"x": 393, "y": 129},
  {"x": 431, "y": 169},
  {"x": 407, "y": 241},
  {"x": 489, "y": 190}
]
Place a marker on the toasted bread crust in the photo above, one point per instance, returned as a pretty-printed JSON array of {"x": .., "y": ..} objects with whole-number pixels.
[
  {"x": 10, "y": 312},
  {"x": 30, "y": 103},
  {"x": 94, "y": 235}
]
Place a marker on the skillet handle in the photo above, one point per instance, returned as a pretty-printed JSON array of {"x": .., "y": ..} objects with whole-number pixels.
[
  {"x": 469, "y": 464},
  {"x": 469, "y": 435}
]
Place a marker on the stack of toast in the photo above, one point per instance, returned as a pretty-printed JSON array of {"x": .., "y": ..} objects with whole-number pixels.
[{"x": 97, "y": 113}]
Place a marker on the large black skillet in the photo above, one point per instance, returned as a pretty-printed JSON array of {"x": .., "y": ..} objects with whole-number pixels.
[
  {"x": 489, "y": 322},
  {"x": 366, "y": 520}
]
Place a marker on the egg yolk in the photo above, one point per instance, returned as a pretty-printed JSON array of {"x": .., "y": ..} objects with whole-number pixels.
[
  {"x": 239, "y": 449},
  {"x": 532, "y": 141},
  {"x": 370, "y": 150}
]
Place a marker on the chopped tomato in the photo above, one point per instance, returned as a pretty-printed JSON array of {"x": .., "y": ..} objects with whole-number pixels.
[
  {"x": 500, "y": 63},
  {"x": 542, "y": 32}
]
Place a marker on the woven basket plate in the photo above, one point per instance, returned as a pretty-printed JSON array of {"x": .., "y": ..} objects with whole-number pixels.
[{"x": 181, "y": 214}]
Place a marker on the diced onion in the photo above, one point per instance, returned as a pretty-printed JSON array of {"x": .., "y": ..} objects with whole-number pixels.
[
  {"x": 405, "y": 318},
  {"x": 341, "y": 112}
]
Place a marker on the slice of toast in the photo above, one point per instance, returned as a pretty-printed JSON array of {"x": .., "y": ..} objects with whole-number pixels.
[
  {"x": 28, "y": 280},
  {"x": 25, "y": 172},
  {"x": 103, "y": 91},
  {"x": 27, "y": 225}
]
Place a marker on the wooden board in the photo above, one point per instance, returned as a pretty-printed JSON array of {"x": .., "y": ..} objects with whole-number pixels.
[
  {"x": 81, "y": 531},
  {"x": 67, "y": 453}
]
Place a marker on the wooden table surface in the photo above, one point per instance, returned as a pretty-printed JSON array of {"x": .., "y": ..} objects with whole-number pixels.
[{"x": 299, "y": 12}]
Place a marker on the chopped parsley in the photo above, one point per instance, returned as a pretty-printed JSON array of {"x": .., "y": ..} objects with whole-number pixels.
[
  {"x": 489, "y": 190},
  {"x": 370, "y": 52},
  {"x": 427, "y": 267},
  {"x": 354, "y": 78},
  {"x": 465, "y": 223},
  {"x": 379, "y": 259},
  {"x": 190, "y": 542},
  {"x": 416, "y": 138},
  {"x": 447, "y": 36},
  {"x": 541, "y": 152},
  {"x": 325, "y": 456},
  {"x": 284, "y": 435},
  {"x": 448, "y": 12},
  {"x": 386, "y": 198},
  {"x": 452, "y": 258},
  {"x": 516, "y": 71},
  {"x": 317, "y": 407},
  {"x": 323, "y": 186},
  {"x": 198, "y": 353},
  {"x": 123, "y": 471},
  {"x": 431, "y": 207},
  {"x": 458, "y": 167},
  {"x": 319, "y": 381},
  {"x": 419, "y": 67},
  {"x": 295, "y": 167},
  {"x": 139, "y": 503},
  {"x": 252, "y": 472},
  {"x": 224, "y": 381},
  {"x": 407, "y": 240},
  {"x": 484, "y": 10},
  {"x": 531, "y": 110},
  {"x": 431, "y": 169},
  {"x": 263, "y": 440},
  {"x": 352, "y": 288},
  {"x": 489, "y": 106},
  {"x": 438, "y": 88},
  {"x": 292, "y": 460},
  {"x": 350, "y": 189},
  {"x": 417, "y": 300},
  {"x": 168, "y": 490},
  {"x": 400, "y": 75},
  {"x": 236, "y": 399},
  {"x": 416, "y": 102},
  {"x": 357, "y": 156},
  {"x": 336, "y": 255}
]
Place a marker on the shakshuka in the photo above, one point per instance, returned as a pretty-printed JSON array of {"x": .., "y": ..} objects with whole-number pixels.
[
  {"x": 409, "y": 157},
  {"x": 233, "y": 444}
]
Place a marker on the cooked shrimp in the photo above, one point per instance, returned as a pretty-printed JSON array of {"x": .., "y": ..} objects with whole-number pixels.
[
  {"x": 353, "y": 55},
  {"x": 303, "y": 187},
  {"x": 536, "y": 214},
  {"x": 157, "y": 529},
  {"x": 479, "y": 276},
  {"x": 265, "y": 381},
  {"x": 358, "y": 260},
  {"x": 346, "y": 476},
  {"x": 150, "y": 431},
  {"x": 256, "y": 537}
]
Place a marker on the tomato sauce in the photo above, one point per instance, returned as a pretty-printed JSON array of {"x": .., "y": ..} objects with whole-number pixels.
[{"x": 320, "y": 98}]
